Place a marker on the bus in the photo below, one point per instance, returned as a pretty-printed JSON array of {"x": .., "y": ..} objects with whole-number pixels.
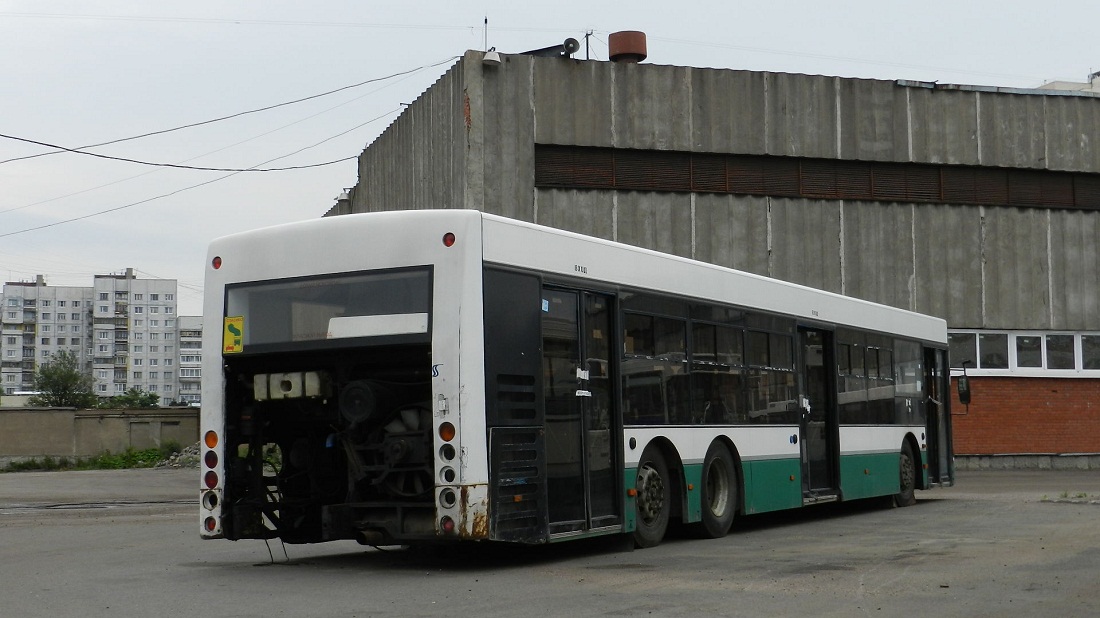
[{"x": 411, "y": 377}]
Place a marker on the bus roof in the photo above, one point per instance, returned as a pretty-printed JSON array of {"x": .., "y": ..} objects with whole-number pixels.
[
  {"x": 517, "y": 243},
  {"x": 514, "y": 243}
]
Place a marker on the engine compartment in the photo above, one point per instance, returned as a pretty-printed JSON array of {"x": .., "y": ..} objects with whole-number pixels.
[{"x": 332, "y": 444}]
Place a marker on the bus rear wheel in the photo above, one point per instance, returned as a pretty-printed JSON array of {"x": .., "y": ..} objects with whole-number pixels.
[
  {"x": 907, "y": 471},
  {"x": 719, "y": 484},
  {"x": 651, "y": 503}
]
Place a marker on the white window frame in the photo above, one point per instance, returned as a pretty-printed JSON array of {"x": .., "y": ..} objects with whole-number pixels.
[{"x": 1013, "y": 367}]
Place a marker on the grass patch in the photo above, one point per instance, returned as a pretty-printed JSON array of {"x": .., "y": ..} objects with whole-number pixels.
[{"x": 130, "y": 458}]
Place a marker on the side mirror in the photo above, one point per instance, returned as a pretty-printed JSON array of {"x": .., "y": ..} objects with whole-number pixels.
[{"x": 964, "y": 387}]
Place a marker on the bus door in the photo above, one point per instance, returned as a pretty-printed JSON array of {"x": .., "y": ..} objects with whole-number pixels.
[
  {"x": 937, "y": 377},
  {"x": 579, "y": 438},
  {"x": 818, "y": 427}
]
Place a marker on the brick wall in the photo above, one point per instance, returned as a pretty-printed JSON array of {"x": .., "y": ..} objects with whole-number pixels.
[{"x": 1027, "y": 415}]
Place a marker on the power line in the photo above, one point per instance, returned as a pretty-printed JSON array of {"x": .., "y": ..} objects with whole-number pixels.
[
  {"x": 187, "y": 188},
  {"x": 172, "y": 165},
  {"x": 300, "y": 120},
  {"x": 213, "y": 120}
]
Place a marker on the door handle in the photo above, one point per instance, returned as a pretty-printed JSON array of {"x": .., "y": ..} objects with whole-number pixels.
[{"x": 584, "y": 393}]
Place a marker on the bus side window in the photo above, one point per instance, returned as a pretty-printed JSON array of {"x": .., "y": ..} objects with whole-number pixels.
[
  {"x": 717, "y": 374},
  {"x": 654, "y": 370}
]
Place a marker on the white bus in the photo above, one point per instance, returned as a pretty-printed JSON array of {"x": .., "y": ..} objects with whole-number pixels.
[{"x": 424, "y": 376}]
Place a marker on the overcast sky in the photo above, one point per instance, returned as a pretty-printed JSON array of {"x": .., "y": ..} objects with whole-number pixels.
[{"x": 76, "y": 74}]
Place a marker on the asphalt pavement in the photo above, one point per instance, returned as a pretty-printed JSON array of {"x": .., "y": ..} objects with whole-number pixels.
[{"x": 125, "y": 543}]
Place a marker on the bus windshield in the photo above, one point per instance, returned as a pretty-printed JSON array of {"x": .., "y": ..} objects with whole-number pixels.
[{"x": 332, "y": 307}]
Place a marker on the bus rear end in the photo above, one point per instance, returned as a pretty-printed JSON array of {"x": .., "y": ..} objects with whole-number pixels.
[{"x": 326, "y": 413}]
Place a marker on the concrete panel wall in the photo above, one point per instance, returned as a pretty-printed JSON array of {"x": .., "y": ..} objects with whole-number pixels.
[
  {"x": 948, "y": 249},
  {"x": 874, "y": 120},
  {"x": 28, "y": 433},
  {"x": 418, "y": 162},
  {"x": 877, "y": 253},
  {"x": 502, "y": 118},
  {"x": 732, "y": 231},
  {"x": 728, "y": 111},
  {"x": 1013, "y": 130},
  {"x": 801, "y": 116},
  {"x": 571, "y": 100},
  {"x": 1075, "y": 270},
  {"x": 1072, "y": 128},
  {"x": 86, "y": 433},
  {"x": 944, "y": 126},
  {"x": 583, "y": 212},
  {"x": 651, "y": 107},
  {"x": 658, "y": 221},
  {"x": 805, "y": 246},
  {"x": 1016, "y": 280}
]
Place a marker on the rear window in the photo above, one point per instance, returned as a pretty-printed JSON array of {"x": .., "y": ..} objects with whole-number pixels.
[{"x": 332, "y": 307}]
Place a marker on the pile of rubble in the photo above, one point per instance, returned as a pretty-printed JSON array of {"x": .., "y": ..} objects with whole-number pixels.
[{"x": 186, "y": 458}]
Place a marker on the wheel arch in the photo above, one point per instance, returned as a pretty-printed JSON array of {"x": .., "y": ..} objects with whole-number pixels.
[
  {"x": 739, "y": 470},
  {"x": 918, "y": 460},
  {"x": 677, "y": 482}
]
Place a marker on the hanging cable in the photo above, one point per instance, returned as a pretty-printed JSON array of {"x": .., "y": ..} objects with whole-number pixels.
[
  {"x": 172, "y": 165},
  {"x": 187, "y": 188},
  {"x": 238, "y": 114}
]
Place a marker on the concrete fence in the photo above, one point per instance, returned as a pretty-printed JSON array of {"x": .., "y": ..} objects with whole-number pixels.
[{"x": 66, "y": 432}]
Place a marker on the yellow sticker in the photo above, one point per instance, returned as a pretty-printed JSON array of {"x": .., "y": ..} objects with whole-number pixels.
[{"x": 233, "y": 338}]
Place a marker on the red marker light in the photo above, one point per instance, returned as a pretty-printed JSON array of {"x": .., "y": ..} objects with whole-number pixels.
[
  {"x": 216, "y": 262},
  {"x": 211, "y": 524},
  {"x": 211, "y": 479},
  {"x": 449, "y": 239},
  {"x": 447, "y": 524}
]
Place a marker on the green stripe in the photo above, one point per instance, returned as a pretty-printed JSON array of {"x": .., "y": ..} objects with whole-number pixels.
[
  {"x": 868, "y": 475},
  {"x": 693, "y": 477},
  {"x": 630, "y": 510},
  {"x": 772, "y": 485}
]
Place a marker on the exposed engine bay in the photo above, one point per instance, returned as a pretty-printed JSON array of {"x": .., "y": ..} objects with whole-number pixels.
[{"x": 333, "y": 444}]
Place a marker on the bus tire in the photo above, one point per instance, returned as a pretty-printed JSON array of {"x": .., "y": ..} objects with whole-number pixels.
[
  {"x": 652, "y": 502},
  {"x": 907, "y": 471},
  {"x": 719, "y": 495}
]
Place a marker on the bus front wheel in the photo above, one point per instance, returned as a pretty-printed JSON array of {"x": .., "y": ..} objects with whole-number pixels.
[
  {"x": 651, "y": 503},
  {"x": 719, "y": 497},
  {"x": 907, "y": 471}
]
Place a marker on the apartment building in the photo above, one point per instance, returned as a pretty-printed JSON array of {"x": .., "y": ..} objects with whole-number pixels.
[
  {"x": 136, "y": 337},
  {"x": 190, "y": 360},
  {"x": 38, "y": 321}
]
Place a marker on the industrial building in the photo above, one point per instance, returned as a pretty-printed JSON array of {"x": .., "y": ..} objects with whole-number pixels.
[{"x": 977, "y": 204}]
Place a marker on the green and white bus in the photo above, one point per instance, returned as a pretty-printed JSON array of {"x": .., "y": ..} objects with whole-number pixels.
[{"x": 430, "y": 376}]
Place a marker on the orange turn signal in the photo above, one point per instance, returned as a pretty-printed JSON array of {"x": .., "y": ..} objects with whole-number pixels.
[{"x": 447, "y": 432}]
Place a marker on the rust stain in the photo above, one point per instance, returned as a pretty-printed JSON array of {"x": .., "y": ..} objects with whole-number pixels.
[
  {"x": 479, "y": 529},
  {"x": 467, "y": 116},
  {"x": 481, "y": 525}
]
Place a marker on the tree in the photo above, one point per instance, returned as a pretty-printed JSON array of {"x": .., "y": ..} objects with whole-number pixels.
[
  {"x": 133, "y": 399},
  {"x": 60, "y": 382}
]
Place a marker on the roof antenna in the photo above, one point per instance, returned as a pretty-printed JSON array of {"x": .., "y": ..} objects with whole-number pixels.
[{"x": 486, "y": 40}]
